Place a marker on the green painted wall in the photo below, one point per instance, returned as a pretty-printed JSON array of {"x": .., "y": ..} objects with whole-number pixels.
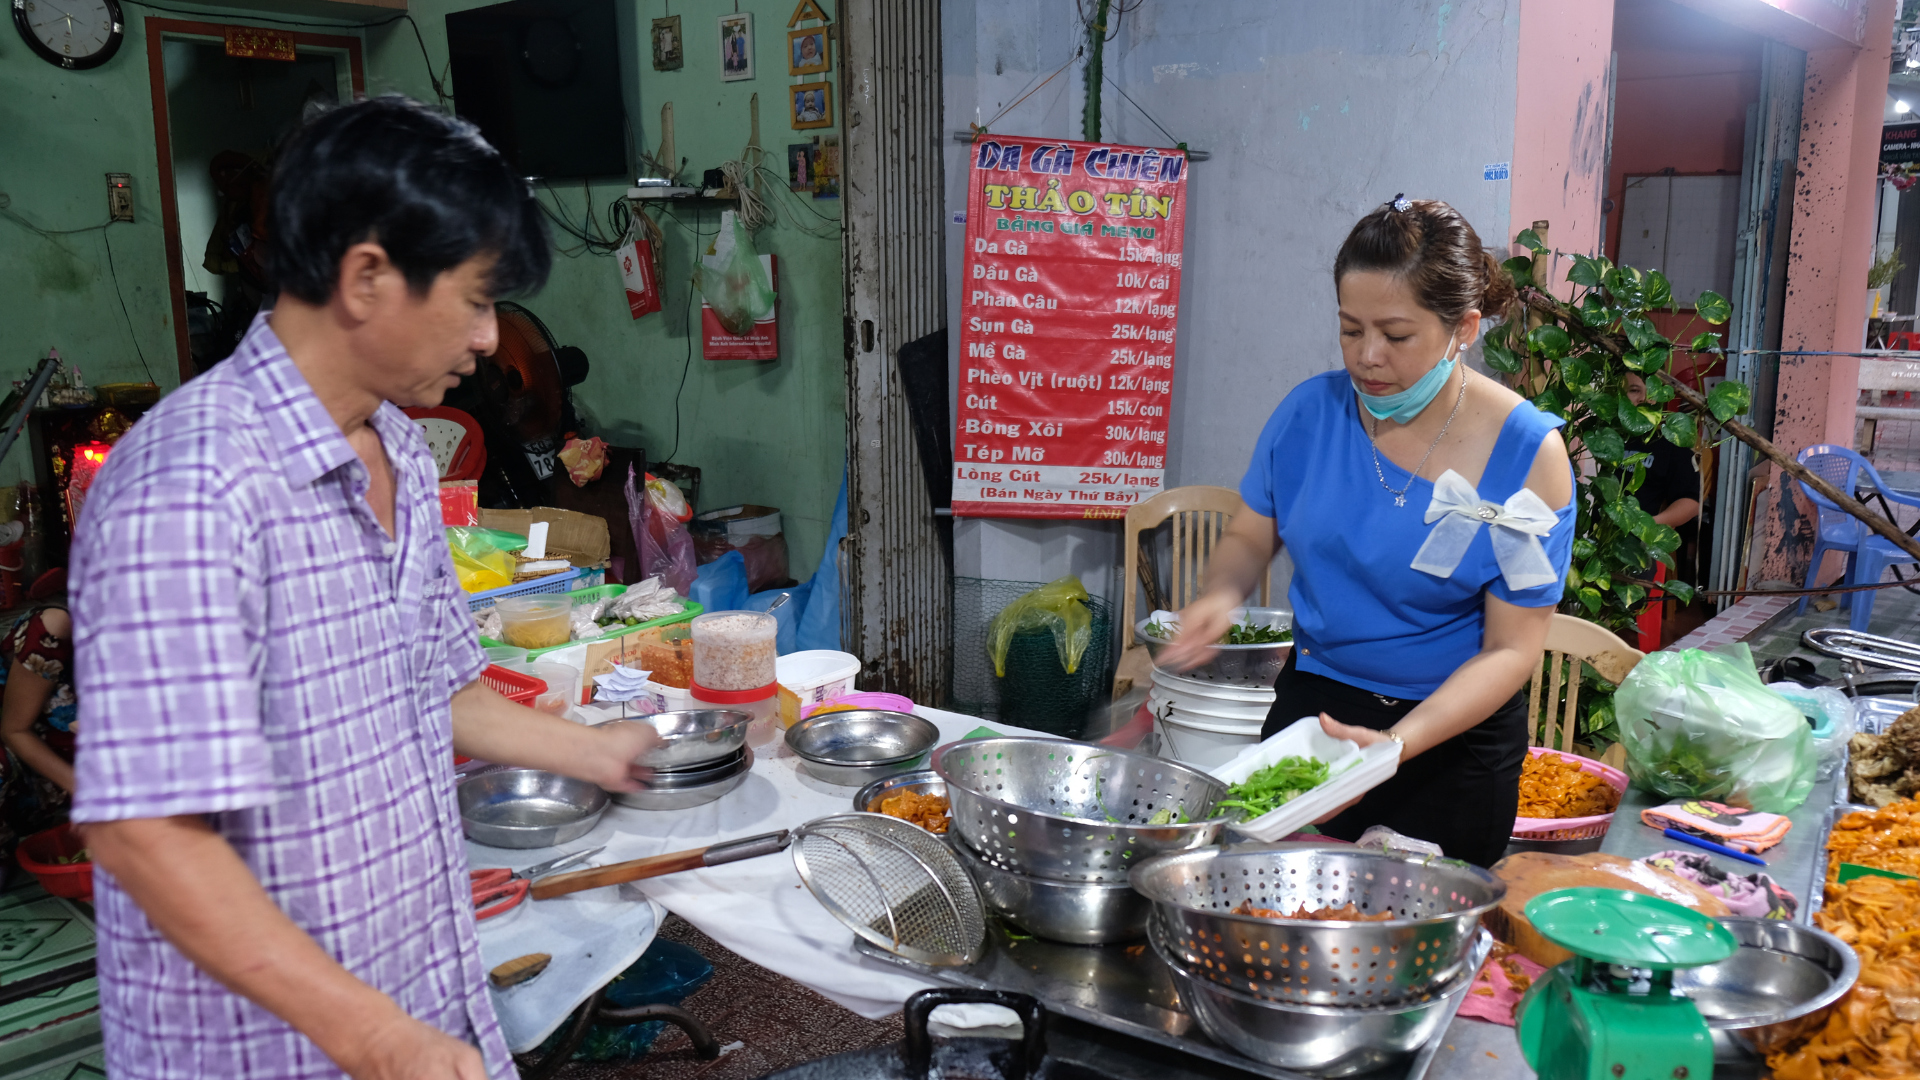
[{"x": 771, "y": 432}]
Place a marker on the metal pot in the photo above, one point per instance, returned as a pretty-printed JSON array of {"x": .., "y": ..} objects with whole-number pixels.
[
  {"x": 661, "y": 797},
  {"x": 527, "y": 808},
  {"x": 1782, "y": 972},
  {"x": 1076, "y": 912}
]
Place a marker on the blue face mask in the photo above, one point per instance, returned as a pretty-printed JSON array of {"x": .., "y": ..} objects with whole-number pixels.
[{"x": 1407, "y": 404}]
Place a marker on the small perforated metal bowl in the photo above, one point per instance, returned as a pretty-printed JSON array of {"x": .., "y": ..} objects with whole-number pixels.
[
  {"x": 1436, "y": 903},
  {"x": 1072, "y": 811}
]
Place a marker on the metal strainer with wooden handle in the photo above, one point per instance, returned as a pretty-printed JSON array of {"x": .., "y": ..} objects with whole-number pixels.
[{"x": 895, "y": 885}]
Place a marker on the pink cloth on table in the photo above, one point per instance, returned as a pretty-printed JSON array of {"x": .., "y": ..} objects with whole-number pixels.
[{"x": 1493, "y": 997}]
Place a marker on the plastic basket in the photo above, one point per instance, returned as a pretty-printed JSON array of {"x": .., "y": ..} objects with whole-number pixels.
[
  {"x": 688, "y": 609},
  {"x": 38, "y": 855},
  {"x": 560, "y": 582},
  {"x": 515, "y": 686},
  {"x": 1580, "y": 828}
]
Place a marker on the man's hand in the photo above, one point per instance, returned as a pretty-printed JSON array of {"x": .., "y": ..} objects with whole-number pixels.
[
  {"x": 619, "y": 745},
  {"x": 406, "y": 1049},
  {"x": 489, "y": 727},
  {"x": 1202, "y": 624}
]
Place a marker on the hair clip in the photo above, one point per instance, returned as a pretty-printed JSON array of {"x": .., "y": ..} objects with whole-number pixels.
[{"x": 1401, "y": 204}]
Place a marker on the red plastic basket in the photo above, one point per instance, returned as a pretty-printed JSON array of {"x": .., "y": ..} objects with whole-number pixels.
[
  {"x": 515, "y": 686},
  {"x": 1580, "y": 828},
  {"x": 40, "y": 853}
]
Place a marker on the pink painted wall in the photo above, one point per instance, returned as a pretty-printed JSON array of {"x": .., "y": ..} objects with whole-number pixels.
[
  {"x": 1560, "y": 123},
  {"x": 1680, "y": 100}
]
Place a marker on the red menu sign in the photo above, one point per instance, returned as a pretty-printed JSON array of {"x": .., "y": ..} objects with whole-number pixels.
[{"x": 1072, "y": 280}]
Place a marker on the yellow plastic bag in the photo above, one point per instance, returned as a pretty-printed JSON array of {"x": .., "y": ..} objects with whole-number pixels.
[
  {"x": 1059, "y": 606},
  {"x": 478, "y": 558}
]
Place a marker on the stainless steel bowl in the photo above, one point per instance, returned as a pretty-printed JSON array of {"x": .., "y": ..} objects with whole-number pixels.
[
  {"x": 1436, "y": 903},
  {"x": 858, "y": 746},
  {"x": 696, "y": 777},
  {"x": 694, "y": 737},
  {"x": 1251, "y": 664},
  {"x": 1076, "y": 912},
  {"x": 1071, "y": 811},
  {"x": 1322, "y": 1040},
  {"x": 923, "y": 781},
  {"x": 527, "y": 808},
  {"x": 1783, "y": 971},
  {"x": 680, "y": 798}
]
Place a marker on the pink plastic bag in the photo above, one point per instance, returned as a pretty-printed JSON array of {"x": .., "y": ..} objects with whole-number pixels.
[{"x": 665, "y": 546}]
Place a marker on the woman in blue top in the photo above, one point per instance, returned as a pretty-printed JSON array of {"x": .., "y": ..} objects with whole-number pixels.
[{"x": 1428, "y": 512}]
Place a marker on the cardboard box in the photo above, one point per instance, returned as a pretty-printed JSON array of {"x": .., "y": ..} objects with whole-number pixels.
[{"x": 581, "y": 539}]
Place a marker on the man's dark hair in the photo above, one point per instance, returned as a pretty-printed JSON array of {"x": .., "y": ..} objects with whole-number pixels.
[{"x": 422, "y": 184}]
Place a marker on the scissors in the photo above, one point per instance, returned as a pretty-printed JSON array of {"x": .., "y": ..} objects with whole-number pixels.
[{"x": 498, "y": 891}]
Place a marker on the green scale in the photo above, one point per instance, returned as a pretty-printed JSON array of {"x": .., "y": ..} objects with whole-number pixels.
[{"x": 1611, "y": 1012}]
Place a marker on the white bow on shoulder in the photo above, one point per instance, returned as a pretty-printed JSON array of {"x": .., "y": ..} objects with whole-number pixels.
[{"x": 1517, "y": 525}]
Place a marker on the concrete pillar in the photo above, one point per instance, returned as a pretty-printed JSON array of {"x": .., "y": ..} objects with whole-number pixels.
[{"x": 1560, "y": 126}]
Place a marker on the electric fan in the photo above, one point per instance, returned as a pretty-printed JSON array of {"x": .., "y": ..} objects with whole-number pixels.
[{"x": 519, "y": 397}]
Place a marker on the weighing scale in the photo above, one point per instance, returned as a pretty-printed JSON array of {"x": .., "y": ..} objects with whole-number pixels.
[{"x": 1611, "y": 1012}]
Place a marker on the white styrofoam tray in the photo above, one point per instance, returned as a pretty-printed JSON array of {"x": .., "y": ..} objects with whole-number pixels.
[{"x": 1354, "y": 772}]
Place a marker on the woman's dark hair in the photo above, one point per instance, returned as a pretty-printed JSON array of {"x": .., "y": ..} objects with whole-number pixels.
[
  {"x": 1431, "y": 247},
  {"x": 423, "y": 184}
]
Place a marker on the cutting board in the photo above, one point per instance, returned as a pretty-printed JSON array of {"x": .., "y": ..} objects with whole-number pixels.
[{"x": 1530, "y": 873}]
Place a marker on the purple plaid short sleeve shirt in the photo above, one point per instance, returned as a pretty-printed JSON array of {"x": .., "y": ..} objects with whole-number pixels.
[{"x": 252, "y": 646}]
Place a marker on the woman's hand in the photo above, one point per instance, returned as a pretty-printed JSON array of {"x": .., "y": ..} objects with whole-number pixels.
[
  {"x": 1365, "y": 737},
  {"x": 1202, "y": 624}
]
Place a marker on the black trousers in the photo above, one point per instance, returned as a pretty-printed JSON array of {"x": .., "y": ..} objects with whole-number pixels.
[{"x": 1461, "y": 794}]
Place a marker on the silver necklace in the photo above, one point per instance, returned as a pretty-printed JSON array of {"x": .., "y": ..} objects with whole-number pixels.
[{"x": 1400, "y": 497}]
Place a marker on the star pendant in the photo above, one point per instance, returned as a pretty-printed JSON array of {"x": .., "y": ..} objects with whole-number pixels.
[{"x": 1400, "y": 499}]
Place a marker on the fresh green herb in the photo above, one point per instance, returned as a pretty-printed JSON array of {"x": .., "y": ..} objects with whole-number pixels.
[
  {"x": 1170, "y": 815},
  {"x": 1161, "y": 631},
  {"x": 1249, "y": 634},
  {"x": 1276, "y": 785}
]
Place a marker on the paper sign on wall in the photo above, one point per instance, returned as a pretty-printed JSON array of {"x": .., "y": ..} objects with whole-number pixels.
[
  {"x": 636, "y": 273},
  {"x": 1069, "y": 308}
]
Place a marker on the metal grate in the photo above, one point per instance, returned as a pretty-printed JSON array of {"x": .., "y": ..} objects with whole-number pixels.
[
  {"x": 893, "y": 884},
  {"x": 897, "y": 568}
]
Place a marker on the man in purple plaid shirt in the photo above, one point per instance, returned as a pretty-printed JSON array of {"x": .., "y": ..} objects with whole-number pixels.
[{"x": 274, "y": 658}]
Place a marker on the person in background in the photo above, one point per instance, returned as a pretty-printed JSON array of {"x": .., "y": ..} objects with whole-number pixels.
[
  {"x": 1671, "y": 491},
  {"x": 275, "y": 662},
  {"x": 38, "y": 713}
]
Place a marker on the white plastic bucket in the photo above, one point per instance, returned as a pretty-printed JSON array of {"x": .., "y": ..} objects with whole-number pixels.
[
  {"x": 1199, "y": 740},
  {"x": 811, "y": 677},
  {"x": 1215, "y": 690}
]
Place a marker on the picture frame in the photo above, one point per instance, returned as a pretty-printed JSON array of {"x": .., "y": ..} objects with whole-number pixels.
[
  {"x": 736, "y": 47},
  {"x": 669, "y": 46},
  {"x": 810, "y": 105},
  {"x": 800, "y": 158},
  {"x": 807, "y": 52}
]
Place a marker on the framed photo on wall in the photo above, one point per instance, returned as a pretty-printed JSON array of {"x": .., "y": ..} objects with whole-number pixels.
[
  {"x": 811, "y": 104},
  {"x": 736, "y": 47},
  {"x": 807, "y": 52},
  {"x": 668, "y": 51}
]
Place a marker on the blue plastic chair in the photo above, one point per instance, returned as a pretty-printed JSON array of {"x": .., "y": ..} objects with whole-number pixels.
[{"x": 1868, "y": 555}]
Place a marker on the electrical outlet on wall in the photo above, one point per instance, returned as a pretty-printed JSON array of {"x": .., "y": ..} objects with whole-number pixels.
[{"x": 119, "y": 196}]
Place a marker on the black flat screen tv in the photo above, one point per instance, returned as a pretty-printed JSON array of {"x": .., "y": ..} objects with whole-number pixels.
[{"x": 541, "y": 79}]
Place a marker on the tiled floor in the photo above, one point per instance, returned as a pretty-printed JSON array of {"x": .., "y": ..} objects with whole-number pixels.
[{"x": 780, "y": 1023}]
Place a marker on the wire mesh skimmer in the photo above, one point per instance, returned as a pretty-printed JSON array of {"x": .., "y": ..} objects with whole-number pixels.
[{"x": 895, "y": 885}]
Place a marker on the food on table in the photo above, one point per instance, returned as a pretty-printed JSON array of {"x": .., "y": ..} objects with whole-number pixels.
[
  {"x": 1276, "y": 785},
  {"x": 667, "y": 652},
  {"x": 1530, "y": 873},
  {"x": 1885, "y": 839},
  {"x": 1883, "y": 769},
  {"x": 1343, "y": 913},
  {"x": 927, "y": 811},
  {"x": 536, "y": 622},
  {"x": 1554, "y": 786},
  {"x": 734, "y": 650}
]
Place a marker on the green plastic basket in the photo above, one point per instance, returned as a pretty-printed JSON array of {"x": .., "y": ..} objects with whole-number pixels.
[{"x": 606, "y": 592}]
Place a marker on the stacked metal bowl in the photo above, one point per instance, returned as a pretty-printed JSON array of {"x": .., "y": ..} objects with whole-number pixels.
[
  {"x": 1327, "y": 998},
  {"x": 1050, "y": 830},
  {"x": 855, "y": 747},
  {"x": 702, "y": 754}
]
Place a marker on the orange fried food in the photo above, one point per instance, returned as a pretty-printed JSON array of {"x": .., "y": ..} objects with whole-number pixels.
[
  {"x": 1554, "y": 786},
  {"x": 1885, "y": 839},
  {"x": 1346, "y": 913},
  {"x": 927, "y": 811},
  {"x": 1870, "y": 1034}
]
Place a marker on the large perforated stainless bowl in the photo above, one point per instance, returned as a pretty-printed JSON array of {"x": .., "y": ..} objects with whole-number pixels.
[
  {"x": 1436, "y": 904},
  {"x": 1071, "y": 811}
]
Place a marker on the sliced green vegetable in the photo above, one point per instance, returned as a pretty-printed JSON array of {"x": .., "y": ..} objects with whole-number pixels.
[{"x": 1276, "y": 785}]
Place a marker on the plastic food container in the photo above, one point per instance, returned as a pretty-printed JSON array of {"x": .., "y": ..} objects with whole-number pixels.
[
  {"x": 536, "y": 622},
  {"x": 563, "y": 687},
  {"x": 1354, "y": 772},
  {"x": 811, "y": 677},
  {"x": 762, "y": 703},
  {"x": 734, "y": 651}
]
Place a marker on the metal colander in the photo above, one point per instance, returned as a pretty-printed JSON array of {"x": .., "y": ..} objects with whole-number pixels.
[
  {"x": 894, "y": 885},
  {"x": 1436, "y": 906},
  {"x": 1070, "y": 811}
]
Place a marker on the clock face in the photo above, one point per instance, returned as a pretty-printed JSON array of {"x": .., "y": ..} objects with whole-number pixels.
[{"x": 72, "y": 33}]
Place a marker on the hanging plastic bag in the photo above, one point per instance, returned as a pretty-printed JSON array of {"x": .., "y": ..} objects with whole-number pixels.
[
  {"x": 483, "y": 558},
  {"x": 666, "y": 549},
  {"x": 1060, "y": 606},
  {"x": 1700, "y": 724},
  {"x": 737, "y": 287}
]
